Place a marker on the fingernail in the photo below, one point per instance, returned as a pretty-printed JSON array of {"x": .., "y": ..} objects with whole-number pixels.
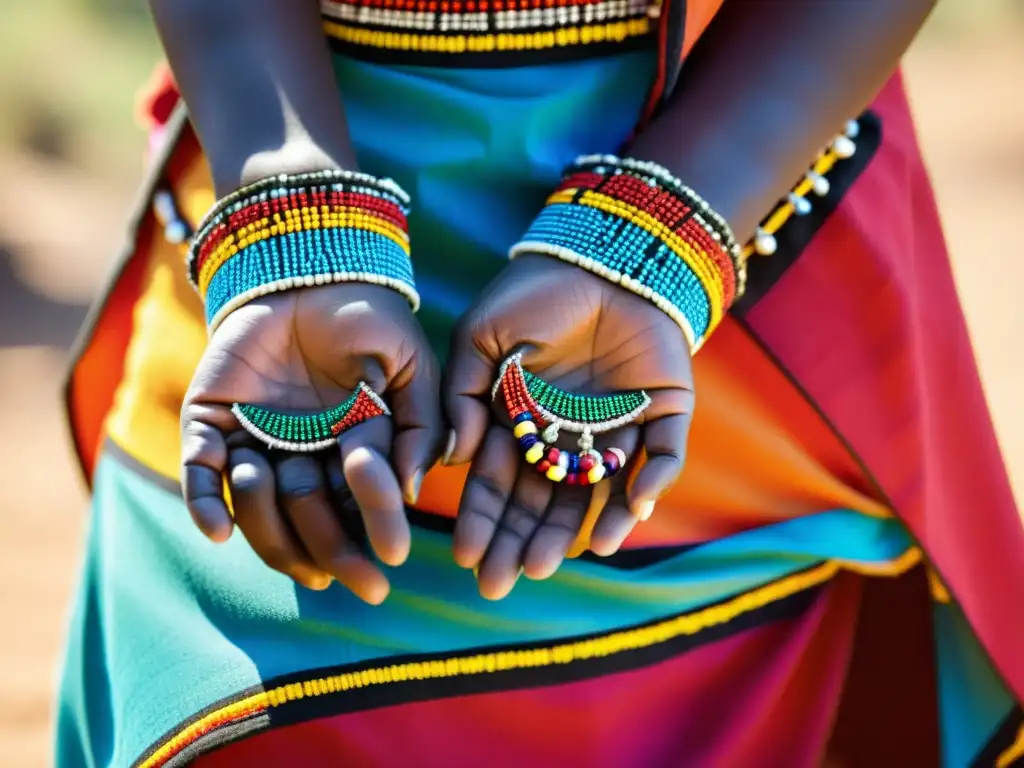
[
  {"x": 645, "y": 510},
  {"x": 449, "y": 448},
  {"x": 414, "y": 491}
]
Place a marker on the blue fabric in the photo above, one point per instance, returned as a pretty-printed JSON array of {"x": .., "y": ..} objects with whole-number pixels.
[{"x": 479, "y": 150}]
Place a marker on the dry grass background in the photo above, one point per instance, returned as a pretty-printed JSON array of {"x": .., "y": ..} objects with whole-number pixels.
[{"x": 69, "y": 160}]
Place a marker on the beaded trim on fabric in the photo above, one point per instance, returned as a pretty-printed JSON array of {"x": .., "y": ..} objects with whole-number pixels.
[
  {"x": 476, "y": 668},
  {"x": 320, "y": 693},
  {"x": 487, "y": 33}
]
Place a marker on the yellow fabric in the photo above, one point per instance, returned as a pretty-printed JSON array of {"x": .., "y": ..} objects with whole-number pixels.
[{"x": 758, "y": 452}]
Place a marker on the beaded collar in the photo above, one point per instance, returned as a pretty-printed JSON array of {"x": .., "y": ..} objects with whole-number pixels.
[{"x": 487, "y": 33}]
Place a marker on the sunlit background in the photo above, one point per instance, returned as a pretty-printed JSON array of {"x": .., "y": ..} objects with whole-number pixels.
[{"x": 70, "y": 159}]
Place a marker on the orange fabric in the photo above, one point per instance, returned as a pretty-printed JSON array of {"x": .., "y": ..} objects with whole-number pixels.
[
  {"x": 699, "y": 14},
  {"x": 758, "y": 452},
  {"x": 90, "y": 388}
]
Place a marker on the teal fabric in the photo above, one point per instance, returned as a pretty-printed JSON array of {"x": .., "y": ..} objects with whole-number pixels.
[
  {"x": 168, "y": 623},
  {"x": 479, "y": 151},
  {"x": 973, "y": 700}
]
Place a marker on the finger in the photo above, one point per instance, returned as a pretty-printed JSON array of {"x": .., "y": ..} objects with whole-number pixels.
[
  {"x": 557, "y": 532},
  {"x": 418, "y": 424},
  {"x": 467, "y": 393},
  {"x": 369, "y": 476},
  {"x": 615, "y": 521},
  {"x": 503, "y": 563},
  {"x": 485, "y": 496},
  {"x": 302, "y": 494},
  {"x": 204, "y": 459},
  {"x": 344, "y": 504},
  {"x": 251, "y": 481},
  {"x": 664, "y": 447}
]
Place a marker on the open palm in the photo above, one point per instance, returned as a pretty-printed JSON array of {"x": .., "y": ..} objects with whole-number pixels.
[
  {"x": 580, "y": 333},
  {"x": 302, "y": 351}
]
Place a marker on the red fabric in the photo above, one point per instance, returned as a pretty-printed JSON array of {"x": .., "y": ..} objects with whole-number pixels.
[
  {"x": 158, "y": 98},
  {"x": 767, "y": 696},
  {"x": 868, "y": 321}
]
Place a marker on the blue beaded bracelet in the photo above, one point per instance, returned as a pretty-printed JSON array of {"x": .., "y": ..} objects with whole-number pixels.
[
  {"x": 295, "y": 231},
  {"x": 638, "y": 230}
]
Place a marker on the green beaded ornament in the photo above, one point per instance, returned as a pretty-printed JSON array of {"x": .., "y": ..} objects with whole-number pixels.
[
  {"x": 586, "y": 415},
  {"x": 311, "y": 431}
]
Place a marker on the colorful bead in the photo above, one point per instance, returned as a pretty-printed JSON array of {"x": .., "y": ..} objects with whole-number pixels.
[
  {"x": 613, "y": 460},
  {"x": 526, "y": 441},
  {"x": 596, "y": 474},
  {"x": 556, "y": 473},
  {"x": 524, "y": 428},
  {"x": 534, "y": 453},
  {"x": 309, "y": 432}
]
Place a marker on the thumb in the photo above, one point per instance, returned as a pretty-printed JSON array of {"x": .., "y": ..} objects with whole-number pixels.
[
  {"x": 419, "y": 426},
  {"x": 467, "y": 394}
]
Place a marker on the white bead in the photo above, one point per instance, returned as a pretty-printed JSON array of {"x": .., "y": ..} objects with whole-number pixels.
[
  {"x": 765, "y": 242},
  {"x": 175, "y": 232},
  {"x": 844, "y": 147},
  {"x": 819, "y": 183},
  {"x": 163, "y": 205},
  {"x": 852, "y": 129},
  {"x": 801, "y": 205}
]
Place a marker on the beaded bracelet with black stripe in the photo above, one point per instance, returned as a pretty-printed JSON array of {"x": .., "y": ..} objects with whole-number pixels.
[
  {"x": 302, "y": 230},
  {"x": 643, "y": 235},
  {"x": 658, "y": 175}
]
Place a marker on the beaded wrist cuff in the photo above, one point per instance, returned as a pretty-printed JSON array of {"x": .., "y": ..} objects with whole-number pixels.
[
  {"x": 635, "y": 224},
  {"x": 302, "y": 230}
]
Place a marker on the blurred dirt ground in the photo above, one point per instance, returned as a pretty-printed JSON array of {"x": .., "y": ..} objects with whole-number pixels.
[{"x": 59, "y": 229}]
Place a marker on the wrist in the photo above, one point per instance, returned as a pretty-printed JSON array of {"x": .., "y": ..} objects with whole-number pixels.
[{"x": 234, "y": 170}]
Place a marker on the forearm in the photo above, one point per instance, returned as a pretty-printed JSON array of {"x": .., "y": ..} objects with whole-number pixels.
[
  {"x": 256, "y": 77},
  {"x": 769, "y": 85}
]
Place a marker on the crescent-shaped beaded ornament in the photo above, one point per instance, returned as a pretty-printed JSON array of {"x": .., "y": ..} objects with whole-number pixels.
[
  {"x": 311, "y": 431},
  {"x": 539, "y": 410}
]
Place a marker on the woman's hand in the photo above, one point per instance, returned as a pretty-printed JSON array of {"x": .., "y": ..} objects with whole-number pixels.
[
  {"x": 583, "y": 334},
  {"x": 305, "y": 513}
]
